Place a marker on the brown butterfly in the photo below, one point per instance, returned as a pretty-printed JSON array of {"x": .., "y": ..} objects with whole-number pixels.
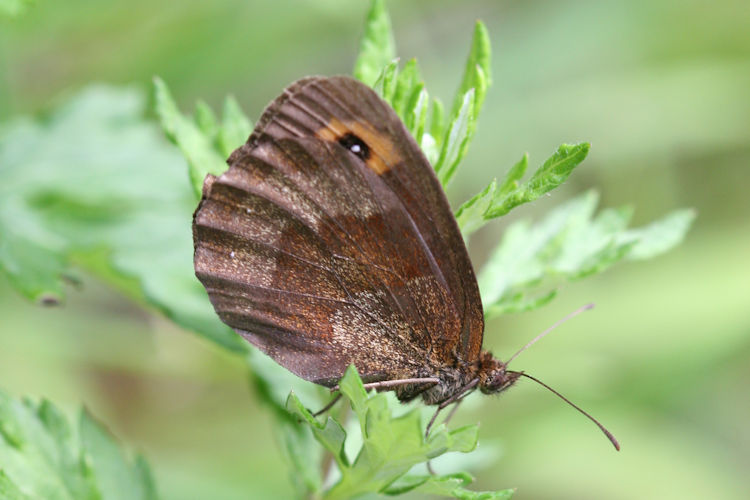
[{"x": 330, "y": 242}]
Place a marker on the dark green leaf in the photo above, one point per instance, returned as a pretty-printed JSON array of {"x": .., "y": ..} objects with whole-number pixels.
[{"x": 377, "y": 47}]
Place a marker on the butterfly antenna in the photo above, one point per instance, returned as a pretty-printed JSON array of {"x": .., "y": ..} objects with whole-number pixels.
[
  {"x": 606, "y": 432},
  {"x": 548, "y": 330}
]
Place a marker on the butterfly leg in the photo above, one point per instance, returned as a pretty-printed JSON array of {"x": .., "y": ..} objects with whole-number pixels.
[
  {"x": 458, "y": 396},
  {"x": 386, "y": 384},
  {"x": 328, "y": 406}
]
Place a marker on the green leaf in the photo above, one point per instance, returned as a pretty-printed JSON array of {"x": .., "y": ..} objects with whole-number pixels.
[
  {"x": 391, "y": 443},
  {"x": 408, "y": 83},
  {"x": 466, "y": 106},
  {"x": 197, "y": 147},
  {"x": 204, "y": 116},
  {"x": 385, "y": 85},
  {"x": 660, "y": 236},
  {"x": 49, "y": 459},
  {"x": 498, "y": 199},
  {"x": 470, "y": 215},
  {"x": 550, "y": 175},
  {"x": 511, "y": 180},
  {"x": 477, "y": 73},
  {"x": 377, "y": 47},
  {"x": 235, "y": 127},
  {"x": 455, "y": 140},
  {"x": 571, "y": 242},
  {"x": 95, "y": 187},
  {"x": 115, "y": 477},
  {"x": 9, "y": 490}
]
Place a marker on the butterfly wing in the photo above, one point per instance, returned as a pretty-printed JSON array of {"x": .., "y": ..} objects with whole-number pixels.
[{"x": 329, "y": 242}]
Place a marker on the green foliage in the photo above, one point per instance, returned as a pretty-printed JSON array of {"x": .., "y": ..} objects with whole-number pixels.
[
  {"x": 377, "y": 47},
  {"x": 526, "y": 268},
  {"x": 444, "y": 146},
  {"x": 495, "y": 201},
  {"x": 95, "y": 187},
  {"x": 43, "y": 456},
  {"x": 391, "y": 446},
  {"x": 204, "y": 142}
]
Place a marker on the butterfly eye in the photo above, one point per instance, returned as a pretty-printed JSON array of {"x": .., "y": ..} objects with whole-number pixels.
[{"x": 355, "y": 145}]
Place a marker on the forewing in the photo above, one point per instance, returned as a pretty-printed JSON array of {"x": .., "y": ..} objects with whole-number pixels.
[{"x": 322, "y": 257}]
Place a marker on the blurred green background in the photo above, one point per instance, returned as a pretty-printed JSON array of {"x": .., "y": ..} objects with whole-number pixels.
[{"x": 660, "y": 88}]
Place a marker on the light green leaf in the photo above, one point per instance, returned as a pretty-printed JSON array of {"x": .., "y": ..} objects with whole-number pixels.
[
  {"x": 377, "y": 47},
  {"x": 531, "y": 262},
  {"x": 660, "y": 236},
  {"x": 470, "y": 215},
  {"x": 385, "y": 85},
  {"x": 408, "y": 85},
  {"x": 477, "y": 73},
  {"x": 44, "y": 457},
  {"x": 329, "y": 434},
  {"x": 455, "y": 140},
  {"x": 115, "y": 477},
  {"x": 9, "y": 490},
  {"x": 235, "y": 127},
  {"x": 204, "y": 116},
  {"x": 198, "y": 149},
  {"x": 95, "y": 187},
  {"x": 391, "y": 445}
]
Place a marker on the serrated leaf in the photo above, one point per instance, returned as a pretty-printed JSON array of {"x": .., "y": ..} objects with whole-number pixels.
[
  {"x": 204, "y": 118},
  {"x": 235, "y": 127},
  {"x": 330, "y": 434},
  {"x": 57, "y": 462},
  {"x": 455, "y": 139},
  {"x": 408, "y": 85},
  {"x": 202, "y": 158},
  {"x": 377, "y": 47},
  {"x": 660, "y": 236},
  {"x": 477, "y": 73},
  {"x": 115, "y": 477},
  {"x": 550, "y": 175},
  {"x": 470, "y": 215},
  {"x": 530, "y": 262},
  {"x": 391, "y": 444},
  {"x": 385, "y": 85},
  {"x": 95, "y": 186},
  {"x": 511, "y": 180}
]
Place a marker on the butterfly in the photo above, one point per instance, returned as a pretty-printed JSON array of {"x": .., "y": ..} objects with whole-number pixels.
[{"x": 329, "y": 242}]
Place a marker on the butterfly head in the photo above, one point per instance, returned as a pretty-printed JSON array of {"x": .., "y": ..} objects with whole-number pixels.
[{"x": 493, "y": 375}]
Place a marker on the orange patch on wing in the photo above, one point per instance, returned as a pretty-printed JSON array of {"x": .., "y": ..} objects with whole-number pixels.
[{"x": 383, "y": 154}]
